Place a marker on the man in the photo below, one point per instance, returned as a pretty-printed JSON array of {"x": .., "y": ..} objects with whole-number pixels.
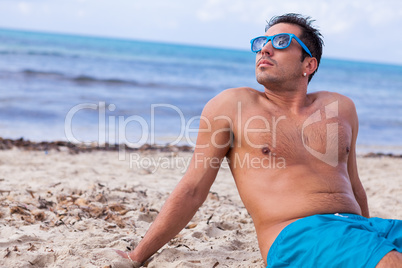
[{"x": 311, "y": 209}]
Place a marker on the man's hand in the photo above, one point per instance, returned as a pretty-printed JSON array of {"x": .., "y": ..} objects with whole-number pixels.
[{"x": 125, "y": 255}]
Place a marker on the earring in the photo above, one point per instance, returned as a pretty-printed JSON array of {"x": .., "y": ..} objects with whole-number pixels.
[{"x": 305, "y": 74}]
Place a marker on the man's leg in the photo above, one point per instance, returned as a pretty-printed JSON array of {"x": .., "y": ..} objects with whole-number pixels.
[{"x": 392, "y": 260}]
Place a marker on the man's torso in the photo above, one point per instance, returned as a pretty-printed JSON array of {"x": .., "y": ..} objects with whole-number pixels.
[{"x": 288, "y": 166}]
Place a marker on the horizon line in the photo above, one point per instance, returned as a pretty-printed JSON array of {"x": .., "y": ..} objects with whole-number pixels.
[{"x": 131, "y": 39}]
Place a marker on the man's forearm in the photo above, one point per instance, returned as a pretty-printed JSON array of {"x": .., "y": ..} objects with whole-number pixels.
[
  {"x": 361, "y": 198},
  {"x": 364, "y": 207},
  {"x": 174, "y": 216}
]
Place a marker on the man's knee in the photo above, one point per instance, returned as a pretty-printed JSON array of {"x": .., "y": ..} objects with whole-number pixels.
[{"x": 391, "y": 260}]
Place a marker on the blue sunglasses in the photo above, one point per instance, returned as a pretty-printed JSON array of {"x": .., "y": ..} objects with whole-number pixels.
[{"x": 279, "y": 41}]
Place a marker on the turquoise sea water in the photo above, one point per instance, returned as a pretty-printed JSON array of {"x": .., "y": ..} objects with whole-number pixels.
[{"x": 59, "y": 87}]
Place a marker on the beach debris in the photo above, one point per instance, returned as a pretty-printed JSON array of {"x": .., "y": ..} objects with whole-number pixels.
[
  {"x": 119, "y": 208},
  {"x": 209, "y": 219},
  {"x": 31, "y": 247},
  {"x": 145, "y": 147},
  {"x": 67, "y": 209},
  {"x": 44, "y": 204},
  {"x": 38, "y": 214},
  {"x": 183, "y": 245},
  {"x": 374, "y": 155},
  {"x": 81, "y": 202},
  {"x": 28, "y": 219},
  {"x": 100, "y": 198},
  {"x": 153, "y": 210},
  {"x": 129, "y": 190},
  {"x": 94, "y": 211},
  {"x": 44, "y": 228},
  {"x": 19, "y": 209},
  {"x": 111, "y": 217},
  {"x": 146, "y": 171},
  {"x": 191, "y": 226},
  {"x": 56, "y": 184},
  {"x": 31, "y": 193},
  {"x": 47, "y": 249},
  {"x": 147, "y": 216},
  {"x": 5, "y": 191},
  {"x": 59, "y": 222},
  {"x": 143, "y": 193},
  {"x": 8, "y": 252},
  {"x": 72, "y": 148},
  {"x": 213, "y": 196}
]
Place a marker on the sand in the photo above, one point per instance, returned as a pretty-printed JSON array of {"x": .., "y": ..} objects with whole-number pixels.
[{"x": 59, "y": 209}]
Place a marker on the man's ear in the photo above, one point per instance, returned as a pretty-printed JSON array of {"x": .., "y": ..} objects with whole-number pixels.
[{"x": 310, "y": 65}]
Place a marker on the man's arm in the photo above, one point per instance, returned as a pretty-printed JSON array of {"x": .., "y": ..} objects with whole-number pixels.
[
  {"x": 213, "y": 143},
  {"x": 357, "y": 186}
]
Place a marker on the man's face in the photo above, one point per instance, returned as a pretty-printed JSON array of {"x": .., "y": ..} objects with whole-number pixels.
[{"x": 278, "y": 65}]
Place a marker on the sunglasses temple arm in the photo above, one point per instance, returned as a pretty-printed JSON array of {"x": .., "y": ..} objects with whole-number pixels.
[{"x": 303, "y": 46}]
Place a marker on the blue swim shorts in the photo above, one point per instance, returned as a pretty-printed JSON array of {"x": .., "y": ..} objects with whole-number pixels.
[{"x": 335, "y": 240}]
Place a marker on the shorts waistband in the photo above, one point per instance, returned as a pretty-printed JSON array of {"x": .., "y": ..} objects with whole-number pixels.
[{"x": 349, "y": 215}]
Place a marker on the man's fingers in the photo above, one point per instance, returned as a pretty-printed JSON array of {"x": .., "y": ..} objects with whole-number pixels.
[
  {"x": 133, "y": 264},
  {"x": 121, "y": 253}
]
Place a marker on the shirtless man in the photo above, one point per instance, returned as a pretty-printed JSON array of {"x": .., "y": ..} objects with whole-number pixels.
[{"x": 313, "y": 189}]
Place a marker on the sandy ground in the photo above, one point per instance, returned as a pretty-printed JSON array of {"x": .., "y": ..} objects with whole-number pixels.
[{"x": 68, "y": 210}]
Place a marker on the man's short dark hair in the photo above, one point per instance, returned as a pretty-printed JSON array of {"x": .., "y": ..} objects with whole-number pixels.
[{"x": 310, "y": 36}]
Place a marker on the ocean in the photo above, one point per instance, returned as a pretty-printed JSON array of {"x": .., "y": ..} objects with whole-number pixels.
[{"x": 91, "y": 89}]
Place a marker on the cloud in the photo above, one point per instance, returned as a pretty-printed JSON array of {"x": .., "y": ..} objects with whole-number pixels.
[
  {"x": 24, "y": 7},
  {"x": 80, "y": 13},
  {"x": 334, "y": 16}
]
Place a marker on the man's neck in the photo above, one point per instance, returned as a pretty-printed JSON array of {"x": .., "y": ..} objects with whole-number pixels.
[{"x": 294, "y": 100}]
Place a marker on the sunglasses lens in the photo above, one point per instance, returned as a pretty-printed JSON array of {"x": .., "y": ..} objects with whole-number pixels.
[
  {"x": 281, "y": 41},
  {"x": 258, "y": 44}
]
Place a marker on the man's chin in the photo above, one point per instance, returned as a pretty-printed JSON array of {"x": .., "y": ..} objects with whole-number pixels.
[{"x": 265, "y": 80}]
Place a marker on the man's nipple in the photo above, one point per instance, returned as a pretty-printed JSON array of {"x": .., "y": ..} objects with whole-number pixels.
[{"x": 266, "y": 150}]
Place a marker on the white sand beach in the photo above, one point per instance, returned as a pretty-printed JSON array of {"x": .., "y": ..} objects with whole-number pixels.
[{"x": 59, "y": 209}]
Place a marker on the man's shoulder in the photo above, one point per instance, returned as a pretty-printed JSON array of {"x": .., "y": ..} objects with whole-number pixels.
[
  {"x": 344, "y": 105},
  {"x": 239, "y": 92},
  {"x": 234, "y": 95},
  {"x": 226, "y": 102},
  {"x": 328, "y": 96}
]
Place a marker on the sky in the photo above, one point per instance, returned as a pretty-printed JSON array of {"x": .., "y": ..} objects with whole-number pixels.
[{"x": 363, "y": 30}]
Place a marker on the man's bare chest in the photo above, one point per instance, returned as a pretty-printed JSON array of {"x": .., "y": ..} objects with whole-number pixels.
[{"x": 316, "y": 135}]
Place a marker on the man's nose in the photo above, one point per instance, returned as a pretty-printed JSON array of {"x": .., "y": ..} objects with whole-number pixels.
[{"x": 268, "y": 48}]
